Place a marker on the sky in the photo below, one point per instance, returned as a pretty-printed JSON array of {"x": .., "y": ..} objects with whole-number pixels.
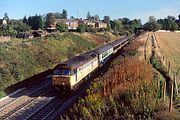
[{"x": 140, "y": 9}]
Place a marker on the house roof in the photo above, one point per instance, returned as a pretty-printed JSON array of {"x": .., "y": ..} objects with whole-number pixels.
[{"x": 66, "y": 20}]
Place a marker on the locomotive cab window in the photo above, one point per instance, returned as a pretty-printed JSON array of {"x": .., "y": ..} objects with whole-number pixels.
[{"x": 62, "y": 72}]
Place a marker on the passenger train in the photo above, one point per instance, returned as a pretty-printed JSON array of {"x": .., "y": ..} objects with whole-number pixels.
[{"x": 69, "y": 74}]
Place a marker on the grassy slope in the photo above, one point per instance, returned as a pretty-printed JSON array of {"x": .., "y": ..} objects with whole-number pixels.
[
  {"x": 170, "y": 48},
  {"x": 20, "y": 58}
]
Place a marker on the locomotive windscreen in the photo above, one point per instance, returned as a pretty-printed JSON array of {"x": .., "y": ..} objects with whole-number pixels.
[{"x": 62, "y": 72}]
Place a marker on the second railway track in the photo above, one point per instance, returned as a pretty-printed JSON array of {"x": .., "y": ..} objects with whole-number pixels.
[{"x": 20, "y": 102}]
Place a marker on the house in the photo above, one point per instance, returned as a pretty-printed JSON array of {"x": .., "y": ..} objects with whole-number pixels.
[
  {"x": 24, "y": 35},
  {"x": 88, "y": 23},
  {"x": 27, "y": 35},
  {"x": 38, "y": 33},
  {"x": 3, "y": 22},
  {"x": 72, "y": 24},
  {"x": 100, "y": 24}
]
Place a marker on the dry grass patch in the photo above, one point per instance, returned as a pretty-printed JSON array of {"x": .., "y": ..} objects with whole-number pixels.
[{"x": 170, "y": 47}]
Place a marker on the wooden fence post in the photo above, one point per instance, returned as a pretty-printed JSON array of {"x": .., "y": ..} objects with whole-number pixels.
[
  {"x": 171, "y": 97},
  {"x": 169, "y": 65},
  {"x": 164, "y": 92},
  {"x": 175, "y": 84}
]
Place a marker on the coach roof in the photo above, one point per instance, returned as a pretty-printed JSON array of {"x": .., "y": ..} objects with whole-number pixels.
[
  {"x": 77, "y": 61},
  {"x": 103, "y": 49},
  {"x": 119, "y": 41}
]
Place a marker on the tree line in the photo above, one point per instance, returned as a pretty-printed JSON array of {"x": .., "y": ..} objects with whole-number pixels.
[
  {"x": 118, "y": 26},
  {"x": 169, "y": 23}
]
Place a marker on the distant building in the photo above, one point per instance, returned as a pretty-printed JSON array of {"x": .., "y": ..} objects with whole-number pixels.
[
  {"x": 38, "y": 33},
  {"x": 3, "y": 22},
  {"x": 24, "y": 35},
  {"x": 100, "y": 24},
  {"x": 71, "y": 23},
  {"x": 88, "y": 23}
]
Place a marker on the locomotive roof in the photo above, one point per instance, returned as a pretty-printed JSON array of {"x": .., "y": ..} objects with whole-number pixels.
[
  {"x": 119, "y": 41},
  {"x": 77, "y": 61},
  {"x": 102, "y": 49}
]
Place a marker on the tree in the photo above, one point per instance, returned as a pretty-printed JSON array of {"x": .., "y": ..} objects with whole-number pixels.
[
  {"x": 50, "y": 19},
  {"x": 62, "y": 27},
  {"x": 6, "y": 17},
  {"x": 64, "y": 14},
  {"x": 88, "y": 16},
  {"x": 40, "y": 22},
  {"x": 117, "y": 25},
  {"x": 125, "y": 21},
  {"x": 152, "y": 24},
  {"x": 72, "y": 18},
  {"x": 25, "y": 20},
  {"x": 82, "y": 28},
  {"x": 96, "y": 17},
  {"x": 19, "y": 26},
  {"x": 36, "y": 22},
  {"x": 169, "y": 23},
  {"x": 58, "y": 15},
  {"x": 134, "y": 24},
  {"x": 174, "y": 26},
  {"x": 106, "y": 19},
  {"x": 8, "y": 30}
]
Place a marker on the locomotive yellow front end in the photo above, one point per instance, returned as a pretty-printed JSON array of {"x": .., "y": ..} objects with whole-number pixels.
[{"x": 61, "y": 79}]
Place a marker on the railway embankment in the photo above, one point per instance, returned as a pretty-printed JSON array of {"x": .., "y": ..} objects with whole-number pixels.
[
  {"x": 127, "y": 90},
  {"x": 24, "y": 62}
]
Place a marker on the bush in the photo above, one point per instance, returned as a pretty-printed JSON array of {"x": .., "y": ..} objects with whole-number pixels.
[
  {"x": 62, "y": 27},
  {"x": 2, "y": 94}
]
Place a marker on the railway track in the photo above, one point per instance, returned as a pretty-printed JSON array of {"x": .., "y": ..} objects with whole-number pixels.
[
  {"x": 22, "y": 101},
  {"x": 47, "y": 110},
  {"x": 33, "y": 106},
  {"x": 24, "y": 92}
]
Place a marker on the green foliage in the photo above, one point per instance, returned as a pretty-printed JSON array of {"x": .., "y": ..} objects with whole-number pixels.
[
  {"x": 62, "y": 27},
  {"x": 8, "y": 30},
  {"x": 13, "y": 28},
  {"x": 36, "y": 22},
  {"x": 82, "y": 28},
  {"x": 152, "y": 24},
  {"x": 107, "y": 19},
  {"x": 88, "y": 16},
  {"x": 2, "y": 94},
  {"x": 50, "y": 19},
  {"x": 64, "y": 14},
  {"x": 125, "y": 25},
  {"x": 20, "y": 59},
  {"x": 91, "y": 30},
  {"x": 19, "y": 26},
  {"x": 169, "y": 23},
  {"x": 25, "y": 20}
]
